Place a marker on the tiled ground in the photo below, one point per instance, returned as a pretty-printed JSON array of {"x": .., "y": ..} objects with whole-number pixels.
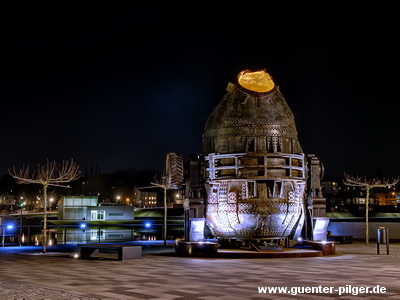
[{"x": 165, "y": 276}]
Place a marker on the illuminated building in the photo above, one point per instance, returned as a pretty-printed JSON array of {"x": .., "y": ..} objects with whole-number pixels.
[
  {"x": 144, "y": 199},
  {"x": 88, "y": 208}
]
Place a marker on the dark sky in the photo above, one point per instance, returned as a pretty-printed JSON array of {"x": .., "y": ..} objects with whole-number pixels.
[{"x": 119, "y": 86}]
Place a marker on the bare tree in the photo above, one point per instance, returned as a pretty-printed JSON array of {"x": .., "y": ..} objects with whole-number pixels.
[
  {"x": 171, "y": 179},
  {"x": 164, "y": 184},
  {"x": 50, "y": 174},
  {"x": 368, "y": 184}
]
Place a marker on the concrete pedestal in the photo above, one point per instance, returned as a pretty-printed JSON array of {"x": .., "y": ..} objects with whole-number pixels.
[{"x": 327, "y": 248}]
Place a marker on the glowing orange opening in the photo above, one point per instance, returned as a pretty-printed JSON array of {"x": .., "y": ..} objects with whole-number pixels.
[{"x": 258, "y": 81}]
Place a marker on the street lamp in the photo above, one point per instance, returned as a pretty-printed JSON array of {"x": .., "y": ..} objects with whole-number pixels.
[
  {"x": 9, "y": 227},
  {"x": 21, "y": 205}
]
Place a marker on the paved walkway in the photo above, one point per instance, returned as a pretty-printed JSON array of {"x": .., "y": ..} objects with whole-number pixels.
[{"x": 28, "y": 274}]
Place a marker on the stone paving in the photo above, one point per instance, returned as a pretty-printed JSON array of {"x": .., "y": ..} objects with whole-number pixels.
[{"x": 159, "y": 274}]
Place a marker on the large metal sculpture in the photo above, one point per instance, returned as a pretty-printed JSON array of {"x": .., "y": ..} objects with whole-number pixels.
[
  {"x": 252, "y": 181},
  {"x": 255, "y": 169}
]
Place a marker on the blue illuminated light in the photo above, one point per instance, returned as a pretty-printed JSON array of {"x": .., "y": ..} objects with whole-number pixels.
[
  {"x": 10, "y": 226},
  {"x": 83, "y": 225},
  {"x": 147, "y": 225}
]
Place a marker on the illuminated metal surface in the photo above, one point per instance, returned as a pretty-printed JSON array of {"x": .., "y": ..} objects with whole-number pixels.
[{"x": 254, "y": 166}]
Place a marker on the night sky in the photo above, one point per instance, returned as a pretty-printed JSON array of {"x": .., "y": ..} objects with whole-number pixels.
[{"x": 118, "y": 86}]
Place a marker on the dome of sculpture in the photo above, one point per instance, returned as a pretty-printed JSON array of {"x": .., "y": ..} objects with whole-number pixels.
[{"x": 245, "y": 117}]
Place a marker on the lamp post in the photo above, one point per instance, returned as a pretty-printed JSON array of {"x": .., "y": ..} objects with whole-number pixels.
[
  {"x": 21, "y": 206},
  {"x": 4, "y": 232}
]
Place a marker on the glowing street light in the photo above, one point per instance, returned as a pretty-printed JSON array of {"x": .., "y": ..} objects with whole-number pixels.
[{"x": 9, "y": 227}]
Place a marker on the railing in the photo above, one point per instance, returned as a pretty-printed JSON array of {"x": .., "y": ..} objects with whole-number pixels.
[
  {"x": 13, "y": 235},
  {"x": 255, "y": 166}
]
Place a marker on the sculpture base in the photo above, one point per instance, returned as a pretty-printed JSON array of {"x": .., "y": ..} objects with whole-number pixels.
[
  {"x": 284, "y": 253},
  {"x": 210, "y": 249},
  {"x": 251, "y": 244},
  {"x": 264, "y": 247},
  {"x": 187, "y": 248}
]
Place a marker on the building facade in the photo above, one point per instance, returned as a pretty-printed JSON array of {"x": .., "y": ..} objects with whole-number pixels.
[
  {"x": 145, "y": 198},
  {"x": 87, "y": 208}
]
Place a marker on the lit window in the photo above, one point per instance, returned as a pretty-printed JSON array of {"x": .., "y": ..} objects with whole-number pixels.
[{"x": 97, "y": 215}]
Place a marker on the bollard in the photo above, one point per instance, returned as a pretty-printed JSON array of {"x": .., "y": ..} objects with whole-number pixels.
[{"x": 382, "y": 237}]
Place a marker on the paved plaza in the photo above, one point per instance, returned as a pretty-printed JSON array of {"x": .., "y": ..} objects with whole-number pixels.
[{"x": 160, "y": 274}]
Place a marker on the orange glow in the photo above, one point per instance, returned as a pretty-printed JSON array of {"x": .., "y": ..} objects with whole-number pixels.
[{"x": 258, "y": 81}]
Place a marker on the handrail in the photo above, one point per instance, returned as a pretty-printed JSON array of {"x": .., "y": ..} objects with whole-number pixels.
[{"x": 86, "y": 233}]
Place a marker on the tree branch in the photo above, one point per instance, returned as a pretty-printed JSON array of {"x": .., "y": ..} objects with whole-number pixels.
[
  {"x": 47, "y": 174},
  {"x": 365, "y": 182}
]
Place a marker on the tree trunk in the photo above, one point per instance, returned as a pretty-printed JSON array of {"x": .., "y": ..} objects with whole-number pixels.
[
  {"x": 44, "y": 219},
  {"x": 366, "y": 216},
  {"x": 165, "y": 217}
]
